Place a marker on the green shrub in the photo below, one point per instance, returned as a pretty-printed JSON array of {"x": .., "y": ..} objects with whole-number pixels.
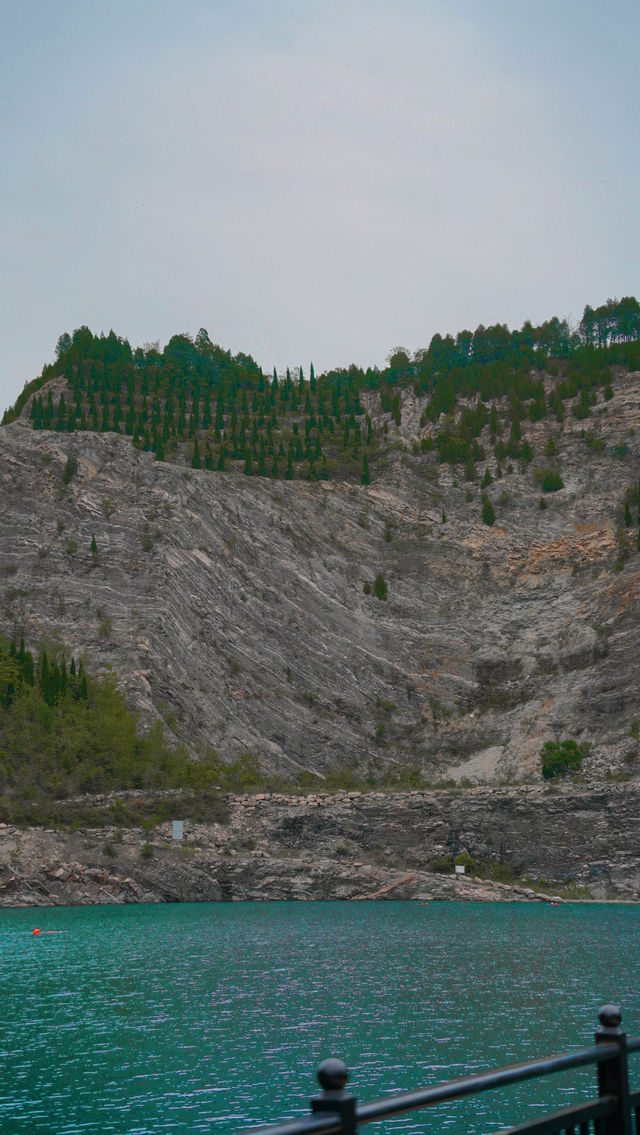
[
  {"x": 488, "y": 513},
  {"x": 549, "y": 479},
  {"x": 367, "y": 588},
  {"x": 380, "y": 586},
  {"x": 559, "y": 757},
  {"x": 441, "y": 864},
  {"x": 146, "y": 851},
  {"x": 70, "y": 468},
  {"x": 242, "y": 774},
  {"x": 467, "y": 861}
]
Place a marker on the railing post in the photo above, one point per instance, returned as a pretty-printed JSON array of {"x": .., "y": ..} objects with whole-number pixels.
[
  {"x": 613, "y": 1078},
  {"x": 333, "y": 1075}
]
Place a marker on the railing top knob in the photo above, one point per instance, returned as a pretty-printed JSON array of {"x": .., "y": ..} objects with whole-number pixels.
[
  {"x": 610, "y": 1016},
  {"x": 333, "y": 1074}
]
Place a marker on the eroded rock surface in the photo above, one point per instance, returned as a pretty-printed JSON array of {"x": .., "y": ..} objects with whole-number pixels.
[
  {"x": 350, "y": 846},
  {"x": 233, "y": 607}
]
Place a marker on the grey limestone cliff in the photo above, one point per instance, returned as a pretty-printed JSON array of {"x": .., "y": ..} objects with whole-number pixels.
[{"x": 234, "y": 608}]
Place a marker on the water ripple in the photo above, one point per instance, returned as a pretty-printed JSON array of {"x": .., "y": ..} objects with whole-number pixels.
[{"x": 184, "y": 1018}]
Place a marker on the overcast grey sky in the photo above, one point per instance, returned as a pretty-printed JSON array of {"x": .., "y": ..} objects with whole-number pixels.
[{"x": 312, "y": 180}]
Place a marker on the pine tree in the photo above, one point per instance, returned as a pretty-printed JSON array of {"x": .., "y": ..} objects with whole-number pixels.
[
  {"x": 366, "y": 479},
  {"x": 195, "y": 460},
  {"x": 62, "y": 413},
  {"x": 94, "y": 547},
  {"x": 47, "y": 415},
  {"x": 262, "y": 460},
  {"x": 488, "y": 514}
]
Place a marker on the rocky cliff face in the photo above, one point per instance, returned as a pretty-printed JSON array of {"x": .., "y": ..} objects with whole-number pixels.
[{"x": 234, "y": 608}]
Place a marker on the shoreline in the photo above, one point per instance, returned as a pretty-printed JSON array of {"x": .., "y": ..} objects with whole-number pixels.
[{"x": 350, "y": 846}]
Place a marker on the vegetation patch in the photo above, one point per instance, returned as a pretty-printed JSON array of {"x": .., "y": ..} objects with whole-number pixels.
[
  {"x": 561, "y": 757},
  {"x": 380, "y": 586},
  {"x": 64, "y": 733},
  {"x": 549, "y": 480}
]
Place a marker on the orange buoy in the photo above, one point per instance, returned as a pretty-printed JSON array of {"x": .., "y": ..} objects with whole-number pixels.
[{"x": 36, "y": 931}]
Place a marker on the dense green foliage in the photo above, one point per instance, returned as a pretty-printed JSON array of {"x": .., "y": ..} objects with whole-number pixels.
[
  {"x": 559, "y": 757},
  {"x": 196, "y": 402},
  {"x": 63, "y": 732},
  {"x": 549, "y": 479},
  {"x": 380, "y": 586}
]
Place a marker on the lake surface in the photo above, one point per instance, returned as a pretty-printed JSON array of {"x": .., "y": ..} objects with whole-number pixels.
[{"x": 213, "y": 1017}]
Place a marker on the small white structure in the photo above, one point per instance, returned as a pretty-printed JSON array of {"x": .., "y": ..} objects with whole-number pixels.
[
  {"x": 177, "y": 829},
  {"x": 459, "y": 869}
]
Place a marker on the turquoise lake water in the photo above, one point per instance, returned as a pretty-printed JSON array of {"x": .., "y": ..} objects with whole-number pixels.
[{"x": 214, "y": 1017}]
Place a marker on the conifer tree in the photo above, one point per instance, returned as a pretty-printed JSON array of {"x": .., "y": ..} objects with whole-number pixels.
[
  {"x": 62, "y": 413},
  {"x": 47, "y": 416},
  {"x": 488, "y": 514},
  {"x": 195, "y": 460}
]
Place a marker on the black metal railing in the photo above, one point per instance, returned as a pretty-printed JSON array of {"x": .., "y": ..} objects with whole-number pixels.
[{"x": 614, "y": 1111}]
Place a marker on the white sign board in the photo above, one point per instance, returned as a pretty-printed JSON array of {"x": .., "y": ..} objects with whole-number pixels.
[
  {"x": 177, "y": 829},
  {"x": 459, "y": 869}
]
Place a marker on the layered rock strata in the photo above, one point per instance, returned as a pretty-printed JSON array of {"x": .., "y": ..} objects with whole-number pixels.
[
  {"x": 349, "y": 846},
  {"x": 234, "y": 608}
]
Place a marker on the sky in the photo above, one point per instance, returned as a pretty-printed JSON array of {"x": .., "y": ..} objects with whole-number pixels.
[{"x": 311, "y": 180}]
